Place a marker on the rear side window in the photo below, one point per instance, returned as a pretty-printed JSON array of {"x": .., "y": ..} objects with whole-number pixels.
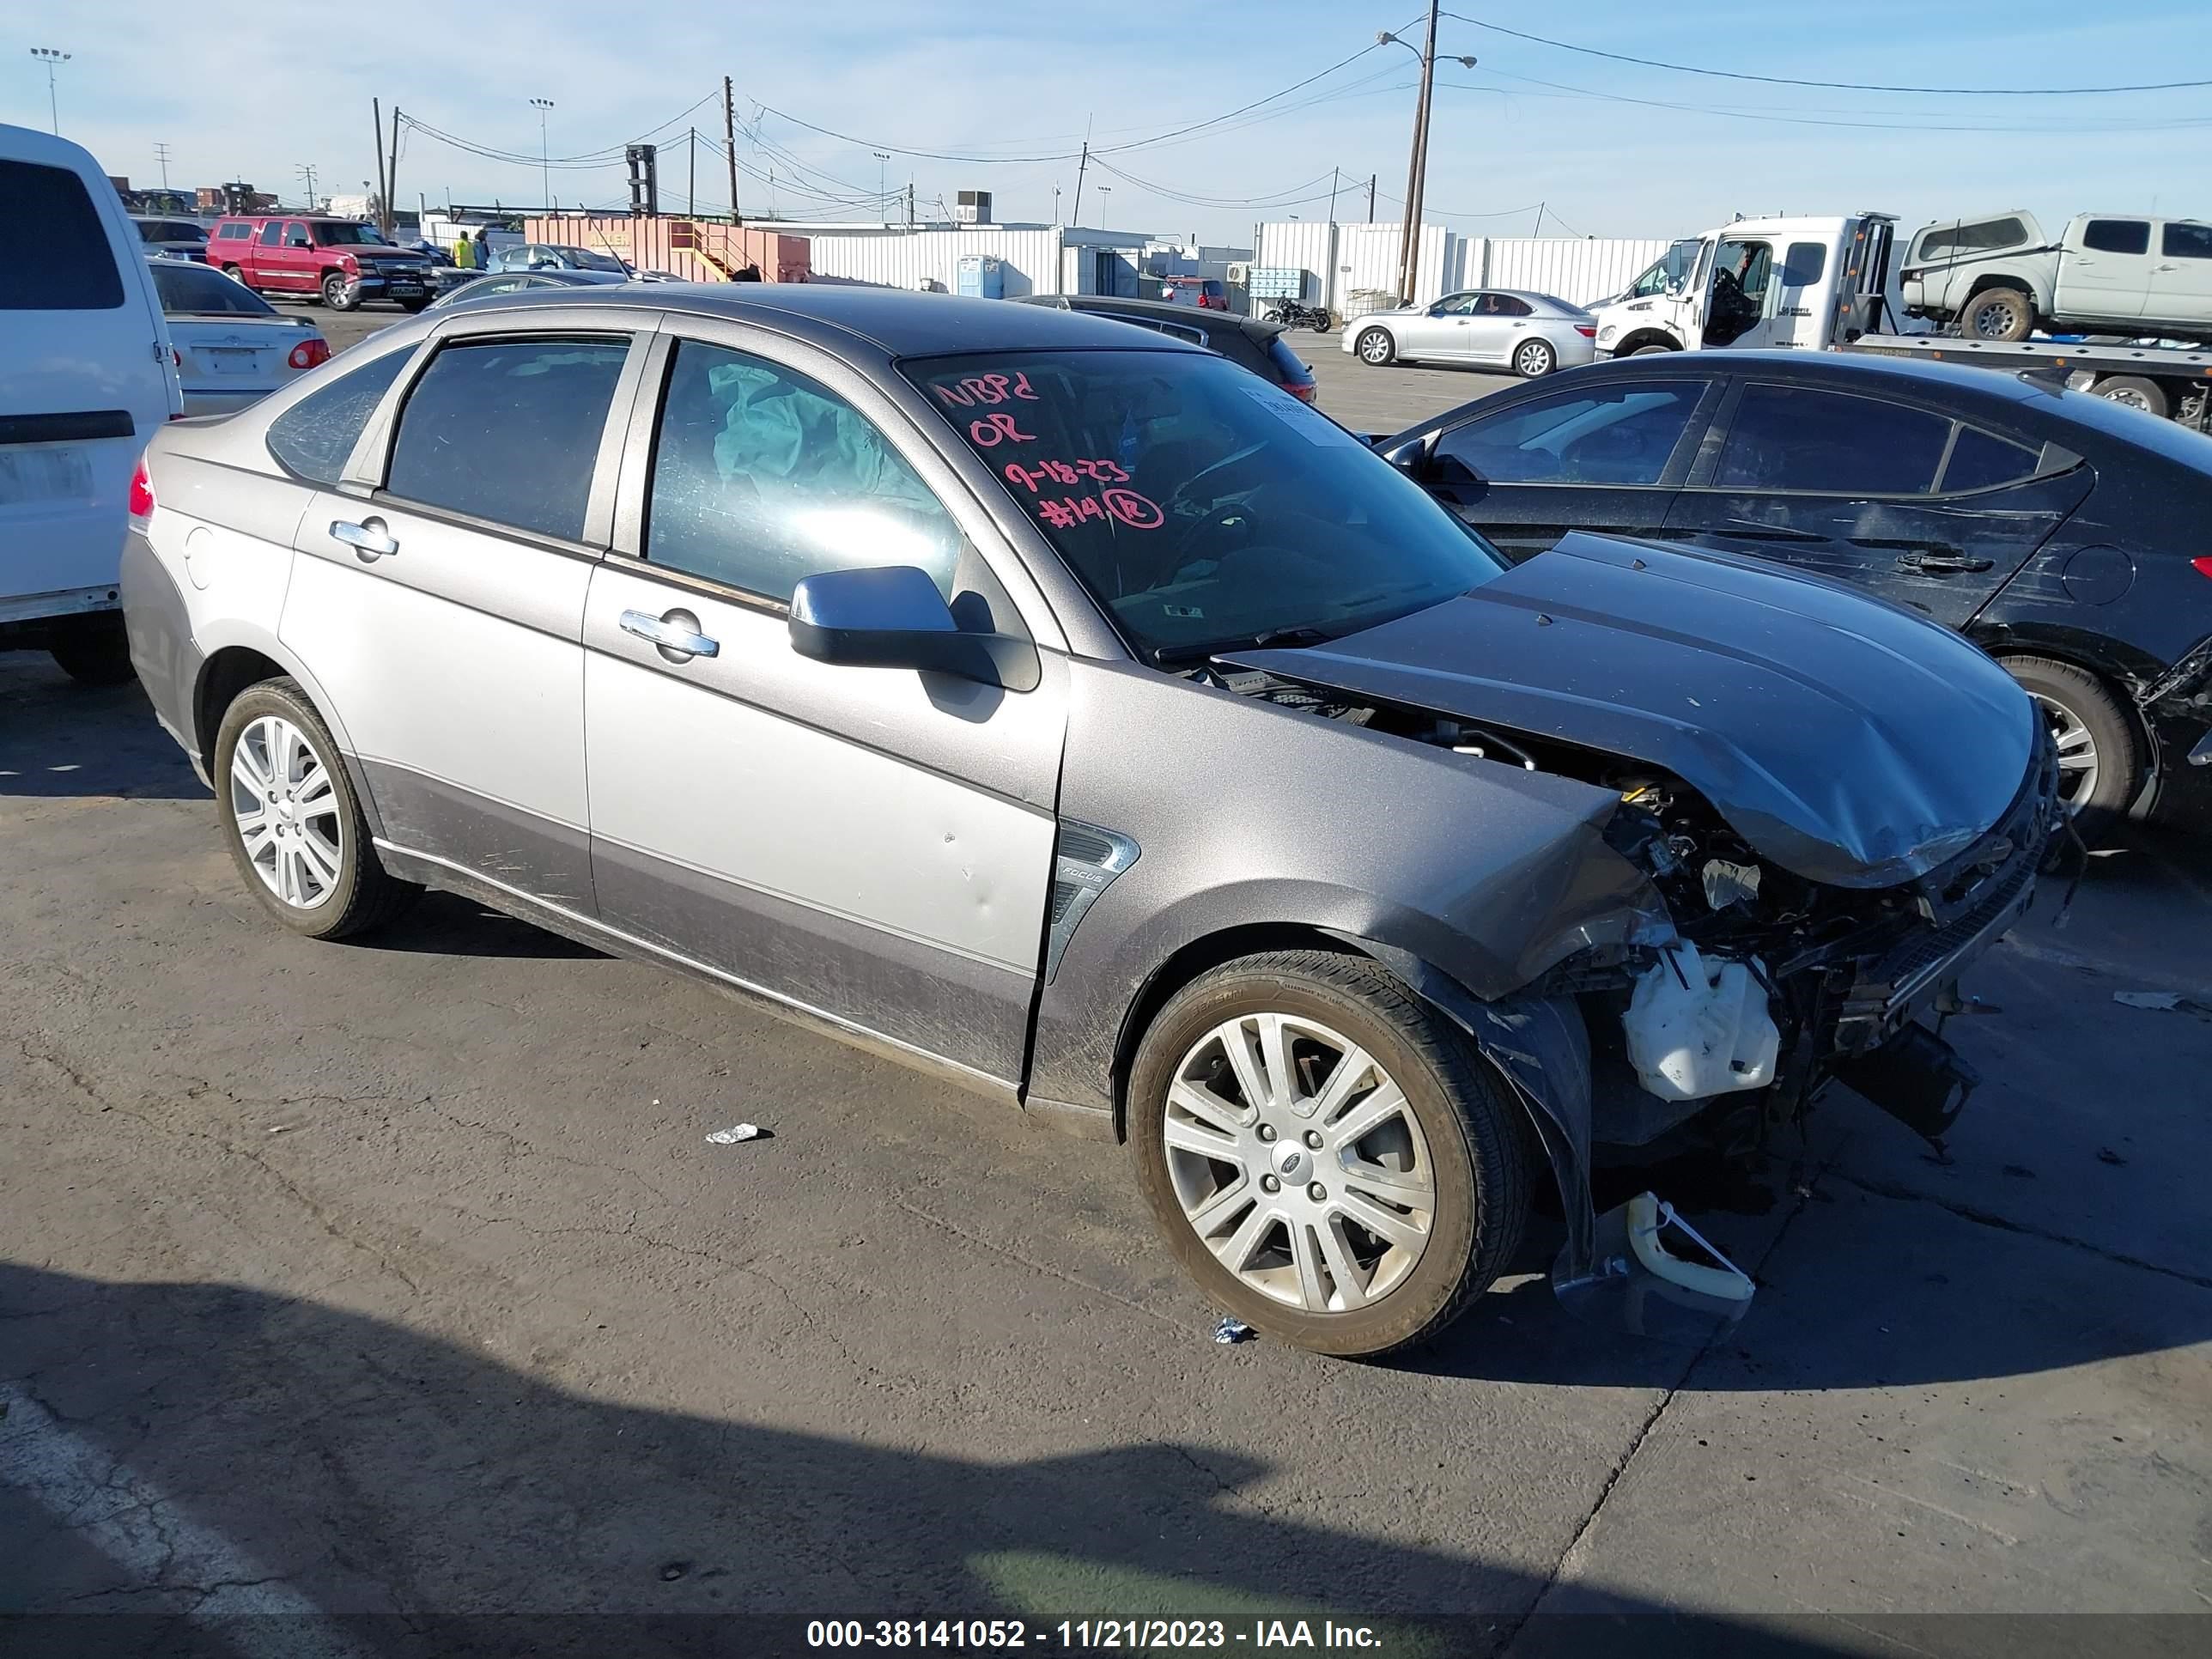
[
  {"x": 235, "y": 232},
  {"x": 313, "y": 438},
  {"x": 1789, "y": 438},
  {"x": 1804, "y": 264},
  {"x": 2187, "y": 242},
  {"x": 71, "y": 267},
  {"x": 760, "y": 478},
  {"x": 1619, "y": 435},
  {"x": 508, "y": 430},
  {"x": 2117, "y": 236},
  {"x": 1982, "y": 460},
  {"x": 1978, "y": 236}
]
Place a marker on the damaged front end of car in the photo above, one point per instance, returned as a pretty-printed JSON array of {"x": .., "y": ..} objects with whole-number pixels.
[{"x": 1824, "y": 869}]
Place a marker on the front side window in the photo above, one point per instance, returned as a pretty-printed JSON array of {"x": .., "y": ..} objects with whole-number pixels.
[
  {"x": 73, "y": 266},
  {"x": 1746, "y": 266},
  {"x": 1618, "y": 436},
  {"x": 2117, "y": 236},
  {"x": 1459, "y": 305},
  {"x": 1201, "y": 506},
  {"x": 1793, "y": 439},
  {"x": 2186, "y": 241},
  {"x": 508, "y": 430},
  {"x": 313, "y": 438},
  {"x": 761, "y": 477}
]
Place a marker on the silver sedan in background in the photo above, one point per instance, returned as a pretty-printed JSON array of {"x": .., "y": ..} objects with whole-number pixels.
[
  {"x": 1531, "y": 334},
  {"x": 232, "y": 347}
]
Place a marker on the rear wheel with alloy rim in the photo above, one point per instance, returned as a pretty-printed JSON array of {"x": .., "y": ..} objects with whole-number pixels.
[
  {"x": 1376, "y": 348},
  {"x": 2099, "y": 771},
  {"x": 2000, "y": 314},
  {"x": 1534, "y": 359},
  {"x": 1332, "y": 1162},
  {"x": 295, "y": 828}
]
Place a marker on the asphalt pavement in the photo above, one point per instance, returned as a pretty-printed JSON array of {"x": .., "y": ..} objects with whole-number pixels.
[{"x": 344, "y": 1289}]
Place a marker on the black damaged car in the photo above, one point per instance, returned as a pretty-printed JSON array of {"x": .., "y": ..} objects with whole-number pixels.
[{"x": 2064, "y": 534}]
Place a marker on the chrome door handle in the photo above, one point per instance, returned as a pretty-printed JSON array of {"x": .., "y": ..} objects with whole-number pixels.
[
  {"x": 369, "y": 539},
  {"x": 678, "y": 632}
]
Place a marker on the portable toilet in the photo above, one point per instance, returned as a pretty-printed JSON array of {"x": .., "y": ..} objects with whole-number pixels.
[{"x": 983, "y": 277}]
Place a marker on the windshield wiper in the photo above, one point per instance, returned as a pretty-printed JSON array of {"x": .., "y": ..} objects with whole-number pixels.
[{"x": 1174, "y": 656}]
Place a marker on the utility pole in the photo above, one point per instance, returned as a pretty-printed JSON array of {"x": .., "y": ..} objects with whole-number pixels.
[
  {"x": 391, "y": 183},
  {"x": 730, "y": 143},
  {"x": 544, "y": 167},
  {"x": 1331, "y": 195},
  {"x": 51, "y": 59},
  {"x": 382, "y": 183},
  {"x": 909, "y": 203},
  {"x": 692, "y": 206},
  {"x": 306, "y": 171},
  {"x": 1076, "y": 217},
  {"x": 1371, "y": 198},
  {"x": 1539, "y": 231},
  {"x": 162, "y": 154},
  {"x": 1409, "y": 234}
]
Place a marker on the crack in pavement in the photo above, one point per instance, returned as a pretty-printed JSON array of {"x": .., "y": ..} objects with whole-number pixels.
[
  {"x": 1806, "y": 1185},
  {"x": 2003, "y": 1223}
]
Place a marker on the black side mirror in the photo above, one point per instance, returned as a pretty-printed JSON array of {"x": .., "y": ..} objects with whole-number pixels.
[
  {"x": 1410, "y": 458},
  {"x": 893, "y": 617}
]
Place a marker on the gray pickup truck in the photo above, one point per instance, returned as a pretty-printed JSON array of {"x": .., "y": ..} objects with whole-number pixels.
[{"x": 1999, "y": 277}]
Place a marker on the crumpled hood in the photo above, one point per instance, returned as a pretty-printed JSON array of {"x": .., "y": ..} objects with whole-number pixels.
[{"x": 1846, "y": 740}]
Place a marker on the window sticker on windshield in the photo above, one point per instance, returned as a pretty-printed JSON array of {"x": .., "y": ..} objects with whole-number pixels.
[{"x": 1313, "y": 427}]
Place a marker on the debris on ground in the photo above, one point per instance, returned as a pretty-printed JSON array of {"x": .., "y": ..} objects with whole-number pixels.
[
  {"x": 2107, "y": 1155},
  {"x": 2163, "y": 1002},
  {"x": 1231, "y": 1330},
  {"x": 733, "y": 1135}
]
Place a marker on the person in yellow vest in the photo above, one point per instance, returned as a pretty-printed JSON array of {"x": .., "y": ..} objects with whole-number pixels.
[{"x": 464, "y": 254}]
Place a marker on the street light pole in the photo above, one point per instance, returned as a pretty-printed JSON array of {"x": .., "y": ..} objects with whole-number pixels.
[
  {"x": 545, "y": 166},
  {"x": 1417, "y": 171},
  {"x": 882, "y": 199},
  {"x": 51, "y": 59}
]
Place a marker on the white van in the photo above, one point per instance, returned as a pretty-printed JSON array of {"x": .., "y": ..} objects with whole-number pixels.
[{"x": 86, "y": 378}]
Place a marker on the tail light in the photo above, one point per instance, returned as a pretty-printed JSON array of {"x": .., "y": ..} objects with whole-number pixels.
[
  {"x": 142, "y": 492},
  {"x": 176, "y": 357},
  {"x": 1304, "y": 392},
  {"x": 1590, "y": 333},
  {"x": 308, "y": 353},
  {"x": 2203, "y": 567}
]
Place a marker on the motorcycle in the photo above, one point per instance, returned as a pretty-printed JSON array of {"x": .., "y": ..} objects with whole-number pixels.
[{"x": 1292, "y": 314}]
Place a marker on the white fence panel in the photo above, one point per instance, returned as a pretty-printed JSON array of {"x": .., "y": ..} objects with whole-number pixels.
[
  {"x": 1353, "y": 268},
  {"x": 1030, "y": 259},
  {"x": 1577, "y": 270}
]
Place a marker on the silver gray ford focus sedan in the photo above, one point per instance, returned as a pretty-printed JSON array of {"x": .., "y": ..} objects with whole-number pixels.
[{"x": 1071, "y": 713}]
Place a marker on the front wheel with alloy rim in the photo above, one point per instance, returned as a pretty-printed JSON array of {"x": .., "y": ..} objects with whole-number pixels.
[
  {"x": 2099, "y": 768},
  {"x": 1376, "y": 348},
  {"x": 1331, "y": 1161},
  {"x": 338, "y": 294},
  {"x": 295, "y": 828},
  {"x": 1534, "y": 360}
]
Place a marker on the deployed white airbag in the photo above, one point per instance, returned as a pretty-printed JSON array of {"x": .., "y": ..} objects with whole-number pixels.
[{"x": 1698, "y": 1027}]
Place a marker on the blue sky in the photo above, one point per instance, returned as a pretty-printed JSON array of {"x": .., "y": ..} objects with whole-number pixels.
[{"x": 239, "y": 90}]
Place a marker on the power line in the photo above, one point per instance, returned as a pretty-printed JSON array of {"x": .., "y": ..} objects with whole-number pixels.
[{"x": 1832, "y": 86}]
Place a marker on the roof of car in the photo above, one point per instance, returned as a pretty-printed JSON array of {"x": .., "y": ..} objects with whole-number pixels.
[
  {"x": 898, "y": 323},
  {"x": 1866, "y": 367},
  {"x": 1187, "y": 316}
]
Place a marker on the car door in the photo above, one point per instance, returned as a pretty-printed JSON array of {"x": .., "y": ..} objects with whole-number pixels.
[
  {"x": 1497, "y": 324},
  {"x": 1439, "y": 333},
  {"x": 1607, "y": 456},
  {"x": 1916, "y": 506},
  {"x": 2108, "y": 274},
  {"x": 871, "y": 845},
  {"x": 2181, "y": 279},
  {"x": 439, "y": 596},
  {"x": 1790, "y": 300}
]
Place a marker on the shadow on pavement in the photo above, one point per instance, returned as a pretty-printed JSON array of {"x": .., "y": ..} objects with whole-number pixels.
[
  {"x": 430, "y": 1499},
  {"x": 444, "y": 924},
  {"x": 60, "y": 739}
]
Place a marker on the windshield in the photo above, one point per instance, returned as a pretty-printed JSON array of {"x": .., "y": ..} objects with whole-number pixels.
[
  {"x": 187, "y": 290},
  {"x": 1203, "y": 507},
  {"x": 170, "y": 230},
  {"x": 331, "y": 236},
  {"x": 585, "y": 259}
]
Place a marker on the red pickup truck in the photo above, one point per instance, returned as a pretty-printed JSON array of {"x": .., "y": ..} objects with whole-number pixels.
[{"x": 342, "y": 261}]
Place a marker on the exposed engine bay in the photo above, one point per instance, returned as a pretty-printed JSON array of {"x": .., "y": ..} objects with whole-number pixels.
[{"x": 1772, "y": 983}]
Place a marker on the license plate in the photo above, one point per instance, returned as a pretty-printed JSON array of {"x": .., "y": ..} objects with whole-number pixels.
[
  {"x": 407, "y": 290},
  {"x": 233, "y": 360},
  {"x": 58, "y": 472}
]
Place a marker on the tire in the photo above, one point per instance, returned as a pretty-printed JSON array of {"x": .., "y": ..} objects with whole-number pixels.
[
  {"x": 338, "y": 294},
  {"x": 2136, "y": 392},
  {"x": 359, "y": 893},
  {"x": 93, "y": 650},
  {"x": 1534, "y": 359},
  {"x": 1376, "y": 348},
  {"x": 1998, "y": 313},
  {"x": 2089, "y": 721},
  {"x": 235, "y": 275},
  {"x": 413, "y": 306},
  {"x": 1458, "y": 1138},
  {"x": 1650, "y": 351},
  {"x": 1322, "y": 323}
]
